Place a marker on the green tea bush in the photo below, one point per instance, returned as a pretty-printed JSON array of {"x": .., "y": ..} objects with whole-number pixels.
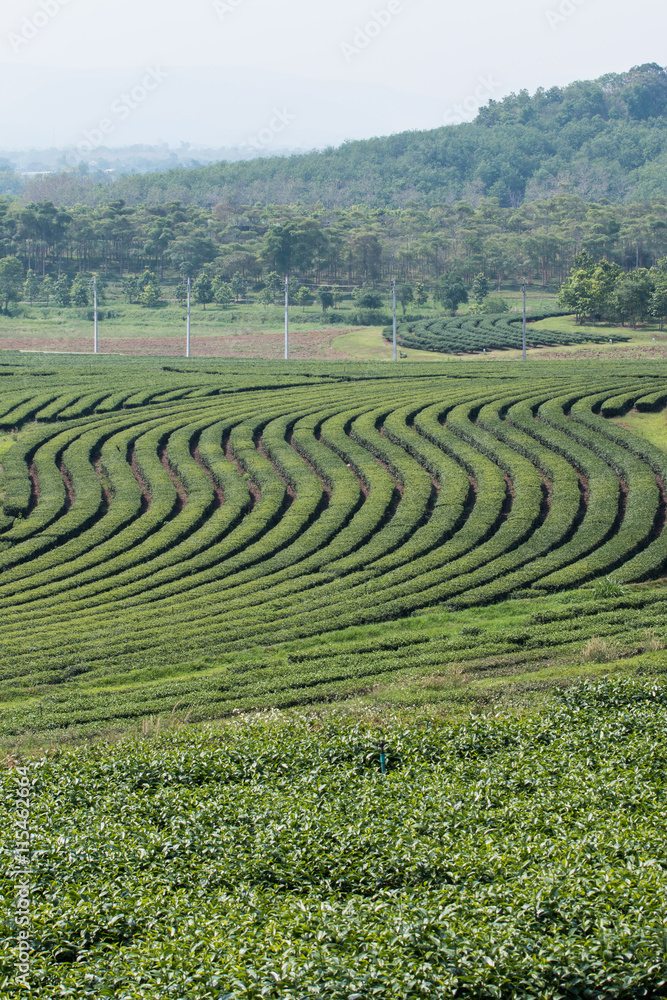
[{"x": 498, "y": 857}]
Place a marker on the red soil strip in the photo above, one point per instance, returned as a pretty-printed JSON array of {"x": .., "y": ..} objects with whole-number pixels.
[
  {"x": 67, "y": 480},
  {"x": 36, "y": 489},
  {"x": 325, "y": 486},
  {"x": 362, "y": 485},
  {"x": 291, "y": 493},
  {"x": 308, "y": 345},
  {"x": 106, "y": 492},
  {"x": 182, "y": 497},
  {"x": 255, "y": 492},
  {"x": 217, "y": 490},
  {"x": 147, "y": 499},
  {"x": 661, "y": 521}
]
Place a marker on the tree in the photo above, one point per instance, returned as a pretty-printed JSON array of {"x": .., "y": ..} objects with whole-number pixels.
[
  {"x": 61, "y": 292},
  {"x": 659, "y": 302},
  {"x": 11, "y": 281},
  {"x": 480, "y": 288},
  {"x": 131, "y": 289},
  {"x": 81, "y": 290},
  {"x": 325, "y": 295},
  {"x": 203, "y": 290},
  {"x": 189, "y": 253},
  {"x": 275, "y": 285},
  {"x": 222, "y": 292},
  {"x": 450, "y": 292},
  {"x": 366, "y": 298},
  {"x": 48, "y": 285},
  {"x": 495, "y": 304},
  {"x": 238, "y": 286},
  {"x": 405, "y": 295},
  {"x": 303, "y": 297},
  {"x": 150, "y": 293},
  {"x": 31, "y": 286},
  {"x": 633, "y": 295},
  {"x": 421, "y": 295},
  {"x": 295, "y": 245},
  {"x": 589, "y": 289}
]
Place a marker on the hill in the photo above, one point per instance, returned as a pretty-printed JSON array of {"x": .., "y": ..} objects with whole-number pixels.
[{"x": 601, "y": 139}]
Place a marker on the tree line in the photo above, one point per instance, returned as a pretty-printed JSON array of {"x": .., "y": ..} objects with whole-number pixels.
[
  {"x": 344, "y": 248},
  {"x": 600, "y": 290}
]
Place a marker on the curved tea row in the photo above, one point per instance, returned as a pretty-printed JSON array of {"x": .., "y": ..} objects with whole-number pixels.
[{"x": 159, "y": 525}]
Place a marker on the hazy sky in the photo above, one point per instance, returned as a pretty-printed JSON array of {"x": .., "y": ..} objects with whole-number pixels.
[{"x": 449, "y": 53}]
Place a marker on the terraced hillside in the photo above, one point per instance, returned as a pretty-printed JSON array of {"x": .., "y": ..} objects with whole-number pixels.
[{"x": 161, "y": 516}]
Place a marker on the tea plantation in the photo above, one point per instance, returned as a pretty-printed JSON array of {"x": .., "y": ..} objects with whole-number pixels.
[
  {"x": 513, "y": 858},
  {"x": 342, "y": 548},
  {"x": 470, "y": 334}
]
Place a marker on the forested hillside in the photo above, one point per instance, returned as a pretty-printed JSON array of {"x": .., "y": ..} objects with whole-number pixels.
[{"x": 597, "y": 139}]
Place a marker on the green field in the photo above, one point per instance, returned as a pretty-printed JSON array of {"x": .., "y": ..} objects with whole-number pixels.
[
  {"x": 246, "y": 575},
  {"x": 253, "y": 331}
]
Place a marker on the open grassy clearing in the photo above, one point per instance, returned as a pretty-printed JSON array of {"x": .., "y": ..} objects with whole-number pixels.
[
  {"x": 248, "y": 330},
  {"x": 652, "y": 426}
]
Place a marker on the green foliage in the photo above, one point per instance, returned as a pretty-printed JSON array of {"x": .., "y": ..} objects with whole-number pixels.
[
  {"x": 62, "y": 291},
  {"x": 367, "y": 298},
  {"x": 238, "y": 286},
  {"x": 31, "y": 286},
  {"x": 609, "y": 587},
  {"x": 478, "y": 333},
  {"x": 208, "y": 530},
  {"x": 450, "y": 292},
  {"x": 203, "y": 290},
  {"x": 131, "y": 289},
  {"x": 480, "y": 288},
  {"x": 81, "y": 290},
  {"x": 604, "y": 138},
  {"x": 494, "y": 305},
  {"x": 222, "y": 292},
  {"x": 12, "y": 277},
  {"x": 421, "y": 295},
  {"x": 496, "y": 857},
  {"x": 326, "y": 298},
  {"x": 405, "y": 294}
]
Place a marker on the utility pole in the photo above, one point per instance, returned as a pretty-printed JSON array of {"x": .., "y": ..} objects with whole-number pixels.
[
  {"x": 187, "y": 336},
  {"x": 524, "y": 319},
  {"x": 96, "y": 341},
  {"x": 395, "y": 337},
  {"x": 286, "y": 318}
]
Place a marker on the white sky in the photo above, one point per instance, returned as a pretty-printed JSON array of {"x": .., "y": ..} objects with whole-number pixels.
[{"x": 429, "y": 47}]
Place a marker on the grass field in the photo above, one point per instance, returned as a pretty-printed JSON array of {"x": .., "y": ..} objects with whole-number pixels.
[
  {"x": 335, "y": 679},
  {"x": 256, "y": 331}
]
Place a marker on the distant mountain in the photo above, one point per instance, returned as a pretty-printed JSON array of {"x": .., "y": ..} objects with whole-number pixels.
[{"x": 601, "y": 139}]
